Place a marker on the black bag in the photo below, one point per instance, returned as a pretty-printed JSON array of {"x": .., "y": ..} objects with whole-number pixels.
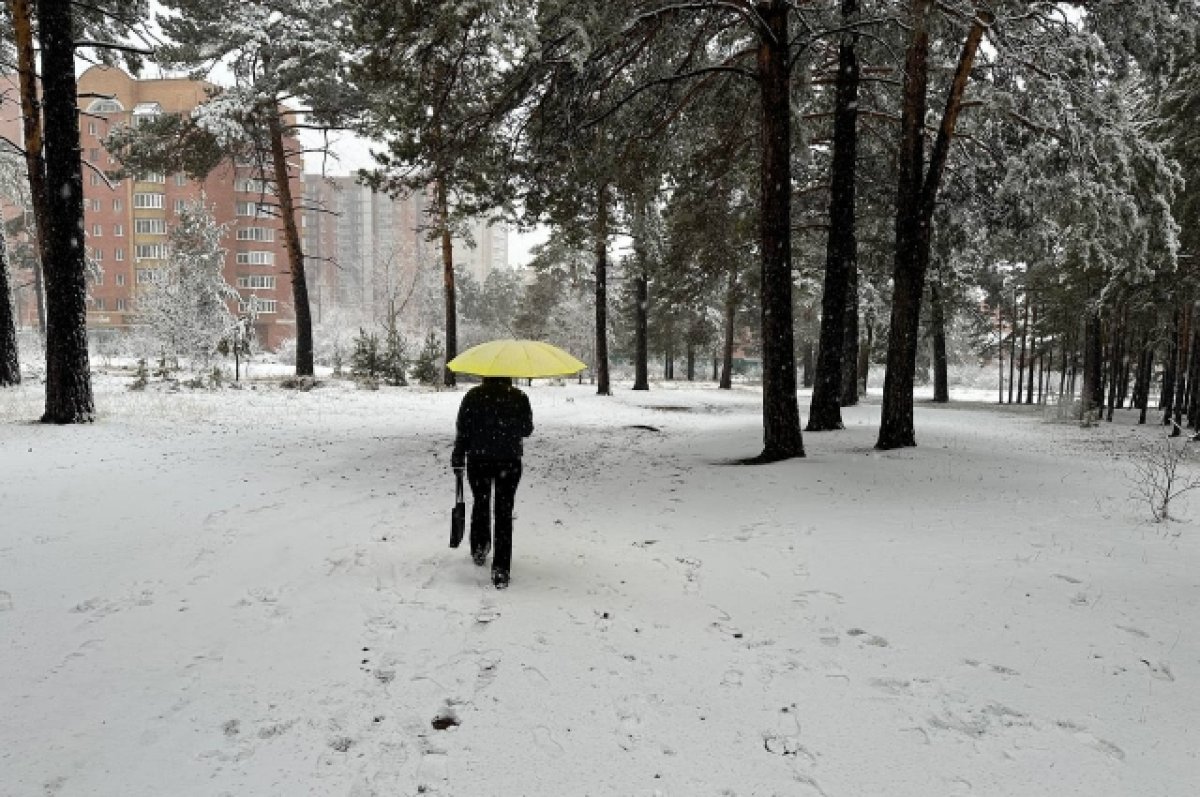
[{"x": 458, "y": 517}]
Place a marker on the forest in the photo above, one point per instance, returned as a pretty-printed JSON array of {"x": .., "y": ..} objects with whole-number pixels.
[{"x": 855, "y": 180}]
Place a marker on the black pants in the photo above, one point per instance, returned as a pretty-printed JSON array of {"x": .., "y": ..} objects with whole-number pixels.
[{"x": 506, "y": 474}]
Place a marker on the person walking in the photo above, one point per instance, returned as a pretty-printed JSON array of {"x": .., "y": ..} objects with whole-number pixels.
[{"x": 493, "y": 420}]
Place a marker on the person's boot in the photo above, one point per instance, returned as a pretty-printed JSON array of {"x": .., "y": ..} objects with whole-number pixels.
[
  {"x": 500, "y": 578},
  {"x": 479, "y": 555}
]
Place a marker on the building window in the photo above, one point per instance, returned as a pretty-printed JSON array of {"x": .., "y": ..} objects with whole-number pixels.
[
  {"x": 259, "y": 281},
  {"x": 150, "y": 226},
  {"x": 93, "y": 154},
  {"x": 148, "y": 200},
  {"x": 97, "y": 230},
  {"x": 97, "y": 304},
  {"x": 256, "y": 258},
  {"x": 260, "y": 305},
  {"x": 119, "y": 230},
  {"x": 94, "y": 204},
  {"x": 252, "y": 185},
  {"x": 120, "y": 277},
  {"x": 180, "y": 206},
  {"x": 98, "y": 255},
  {"x": 118, "y": 204},
  {"x": 255, "y": 210},
  {"x": 148, "y": 276},
  {"x": 152, "y": 177},
  {"x": 99, "y": 280},
  {"x": 148, "y": 252},
  {"x": 105, "y": 106},
  {"x": 119, "y": 254},
  {"x": 91, "y": 128},
  {"x": 95, "y": 179},
  {"x": 180, "y": 179},
  {"x": 122, "y": 304},
  {"x": 255, "y": 234}
]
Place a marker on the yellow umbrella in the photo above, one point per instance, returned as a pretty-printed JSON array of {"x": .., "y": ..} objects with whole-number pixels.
[{"x": 517, "y": 358}]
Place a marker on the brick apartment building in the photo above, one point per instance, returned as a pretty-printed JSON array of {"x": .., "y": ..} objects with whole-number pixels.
[
  {"x": 126, "y": 222},
  {"x": 360, "y": 246}
]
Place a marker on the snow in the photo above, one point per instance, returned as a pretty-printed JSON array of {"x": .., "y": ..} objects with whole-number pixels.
[{"x": 248, "y": 592}]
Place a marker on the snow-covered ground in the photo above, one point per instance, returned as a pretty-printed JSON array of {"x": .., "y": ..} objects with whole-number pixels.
[{"x": 248, "y": 592}]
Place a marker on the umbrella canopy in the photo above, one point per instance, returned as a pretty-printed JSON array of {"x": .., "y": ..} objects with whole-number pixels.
[{"x": 517, "y": 358}]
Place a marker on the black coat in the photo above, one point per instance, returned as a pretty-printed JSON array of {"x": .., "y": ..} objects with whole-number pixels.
[{"x": 492, "y": 420}]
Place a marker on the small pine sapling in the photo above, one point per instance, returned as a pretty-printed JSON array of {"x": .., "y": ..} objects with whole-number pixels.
[
  {"x": 365, "y": 362},
  {"x": 426, "y": 370},
  {"x": 394, "y": 363}
]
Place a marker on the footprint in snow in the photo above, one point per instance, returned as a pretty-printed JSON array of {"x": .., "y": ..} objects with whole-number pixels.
[
  {"x": 867, "y": 639},
  {"x": 629, "y": 723}
]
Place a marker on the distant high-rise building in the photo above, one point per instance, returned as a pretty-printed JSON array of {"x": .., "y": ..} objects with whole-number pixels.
[
  {"x": 126, "y": 222},
  {"x": 367, "y": 249}
]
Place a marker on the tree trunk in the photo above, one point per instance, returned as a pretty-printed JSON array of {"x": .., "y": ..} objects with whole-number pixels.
[
  {"x": 10, "y": 368},
  {"x": 1089, "y": 406},
  {"x": 31, "y": 125},
  {"x": 68, "y": 375},
  {"x": 841, "y": 249},
  {"x": 850, "y": 345},
  {"x": 601, "y": 252},
  {"x": 782, "y": 438},
  {"x": 1023, "y": 364},
  {"x": 1115, "y": 369},
  {"x": 1012, "y": 349},
  {"x": 896, "y": 424},
  {"x": 916, "y": 198},
  {"x": 449, "y": 378},
  {"x": 691, "y": 362},
  {"x": 864, "y": 355},
  {"x": 1182, "y": 366},
  {"x": 941, "y": 367},
  {"x": 1193, "y": 392},
  {"x": 807, "y": 358},
  {"x": 1000, "y": 351},
  {"x": 1031, "y": 315},
  {"x": 731, "y": 303},
  {"x": 1145, "y": 373},
  {"x": 291, "y": 236},
  {"x": 641, "y": 357},
  {"x": 1167, "y": 394}
]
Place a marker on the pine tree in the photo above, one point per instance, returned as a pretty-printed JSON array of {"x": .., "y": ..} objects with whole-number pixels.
[
  {"x": 365, "y": 362},
  {"x": 186, "y": 308},
  {"x": 439, "y": 78},
  {"x": 426, "y": 369}
]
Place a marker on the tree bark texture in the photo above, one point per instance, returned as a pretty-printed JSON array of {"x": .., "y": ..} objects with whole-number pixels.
[
  {"x": 1145, "y": 371},
  {"x": 291, "y": 237},
  {"x": 641, "y": 366},
  {"x": 10, "y": 368},
  {"x": 641, "y": 310},
  {"x": 916, "y": 200},
  {"x": 731, "y": 303},
  {"x": 841, "y": 249},
  {"x": 937, "y": 320},
  {"x": 1023, "y": 365},
  {"x": 1012, "y": 349},
  {"x": 1089, "y": 407},
  {"x": 850, "y": 344},
  {"x": 601, "y": 252},
  {"x": 896, "y": 421},
  {"x": 68, "y": 372},
  {"x": 1193, "y": 380},
  {"x": 31, "y": 128},
  {"x": 782, "y": 438},
  {"x": 449, "y": 379}
]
